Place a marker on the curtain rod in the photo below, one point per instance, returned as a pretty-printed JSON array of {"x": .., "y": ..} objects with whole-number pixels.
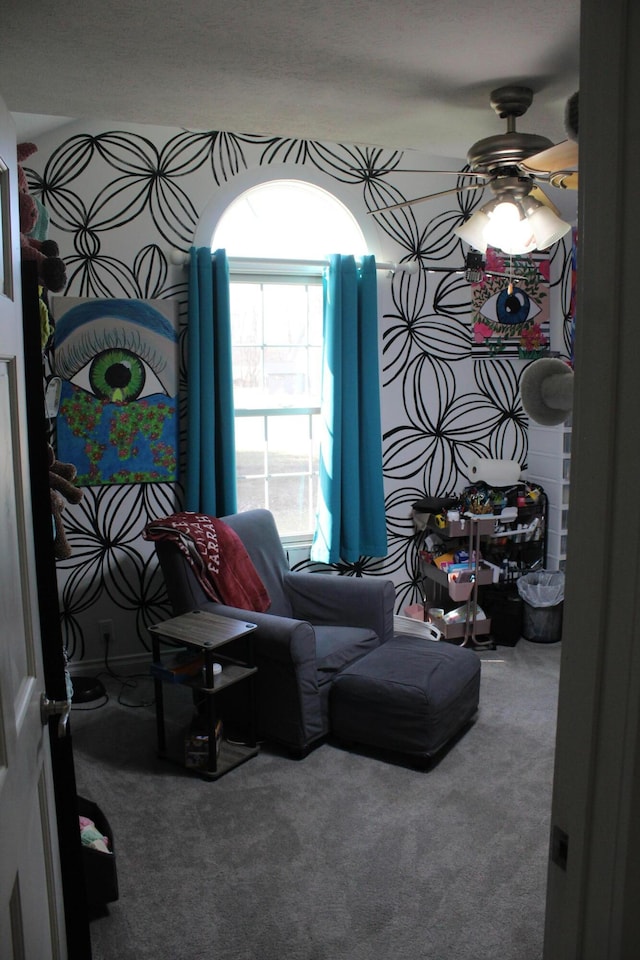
[{"x": 180, "y": 259}]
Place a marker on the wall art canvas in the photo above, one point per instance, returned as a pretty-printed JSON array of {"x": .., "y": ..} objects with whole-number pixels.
[
  {"x": 118, "y": 415},
  {"x": 510, "y": 307}
]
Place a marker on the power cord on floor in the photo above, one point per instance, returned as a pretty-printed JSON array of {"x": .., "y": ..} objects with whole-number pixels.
[{"x": 127, "y": 681}]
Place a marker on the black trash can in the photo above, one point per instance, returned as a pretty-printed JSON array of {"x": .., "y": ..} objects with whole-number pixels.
[
  {"x": 504, "y": 605},
  {"x": 543, "y": 596}
]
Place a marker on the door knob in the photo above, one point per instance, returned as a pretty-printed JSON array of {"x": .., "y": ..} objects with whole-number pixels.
[{"x": 55, "y": 708}]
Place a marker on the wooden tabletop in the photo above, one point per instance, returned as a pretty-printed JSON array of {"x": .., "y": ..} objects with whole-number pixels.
[{"x": 199, "y": 628}]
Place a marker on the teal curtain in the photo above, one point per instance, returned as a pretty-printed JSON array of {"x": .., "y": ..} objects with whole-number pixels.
[
  {"x": 351, "y": 520},
  {"x": 211, "y": 459}
]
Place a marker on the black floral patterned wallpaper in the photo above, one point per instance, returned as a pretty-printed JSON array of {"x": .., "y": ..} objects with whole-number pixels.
[{"x": 120, "y": 200}]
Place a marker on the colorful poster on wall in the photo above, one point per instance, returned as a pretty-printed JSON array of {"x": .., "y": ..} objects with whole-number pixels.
[
  {"x": 118, "y": 414},
  {"x": 510, "y": 307}
]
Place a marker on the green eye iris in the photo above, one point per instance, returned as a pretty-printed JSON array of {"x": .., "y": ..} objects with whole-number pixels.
[{"x": 117, "y": 376}]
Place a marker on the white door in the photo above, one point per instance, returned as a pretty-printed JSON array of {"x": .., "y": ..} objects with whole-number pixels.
[{"x": 31, "y": 914}]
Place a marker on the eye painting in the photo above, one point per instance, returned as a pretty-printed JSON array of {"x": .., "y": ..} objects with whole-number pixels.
[
  {"x": 509, "y": 307},
  {"x": 118, "y": 414},
  {"x": 511, "y": 317},
  {"x": 117, "y": 375}
]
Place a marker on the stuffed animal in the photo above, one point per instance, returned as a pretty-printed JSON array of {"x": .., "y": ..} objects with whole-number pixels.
[
  {"x": 61, "y": 477},
  {"x": 51, "y": 269}
]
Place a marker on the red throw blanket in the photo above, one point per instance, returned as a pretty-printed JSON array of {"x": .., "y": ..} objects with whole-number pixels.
[{"x": 217, "y": 556}]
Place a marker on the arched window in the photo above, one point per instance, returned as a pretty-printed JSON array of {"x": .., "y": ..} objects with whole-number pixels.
[
  {"x": 288, "y": 219},
  {"x": 277, "y": 235}
]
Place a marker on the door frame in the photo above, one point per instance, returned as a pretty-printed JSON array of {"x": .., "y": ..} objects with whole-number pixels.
[
  {"x": 54, "y": 665},
  {"x": 592, "y": 903}
]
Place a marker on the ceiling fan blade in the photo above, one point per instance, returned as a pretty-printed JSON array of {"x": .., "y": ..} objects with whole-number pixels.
[
  {"x": 430, "y": 196},
  {"x": 567, "y": 179},
  {"x": 450, "y": 173},
  {"x": 561, "y": 157}
]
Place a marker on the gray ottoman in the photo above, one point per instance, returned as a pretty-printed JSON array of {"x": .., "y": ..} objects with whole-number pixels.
[{"x": 409, "y": 695}]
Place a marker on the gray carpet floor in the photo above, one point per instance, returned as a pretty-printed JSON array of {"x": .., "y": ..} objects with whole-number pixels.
[{"x": 344, "y": 855}]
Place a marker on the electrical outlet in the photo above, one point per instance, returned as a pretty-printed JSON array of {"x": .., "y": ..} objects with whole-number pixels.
[{"x": 105, "y": 628}]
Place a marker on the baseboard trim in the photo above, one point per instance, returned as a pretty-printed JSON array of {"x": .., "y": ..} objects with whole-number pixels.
[{"x": 85, "y": 668}]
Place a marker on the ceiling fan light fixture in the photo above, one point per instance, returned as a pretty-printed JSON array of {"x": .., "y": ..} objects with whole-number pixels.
[
  {"x": 508, "y": 229},
  {"x": 472, "y": 230},
  {"x": 505, "y": 215},
  {"x": 547, "y": 227}
]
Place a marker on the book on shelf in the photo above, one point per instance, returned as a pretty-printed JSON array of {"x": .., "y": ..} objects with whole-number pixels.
[{"x": 179, "y": 667}]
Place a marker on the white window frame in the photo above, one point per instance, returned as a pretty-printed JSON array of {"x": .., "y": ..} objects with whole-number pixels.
[{"x": 289, "y": 272}]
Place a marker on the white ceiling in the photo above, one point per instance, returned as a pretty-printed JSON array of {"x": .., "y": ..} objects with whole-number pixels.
[{"x": 398, "y": 73}]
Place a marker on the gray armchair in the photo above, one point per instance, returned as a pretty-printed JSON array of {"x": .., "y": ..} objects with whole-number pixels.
[{"x": 317, "y": 624}]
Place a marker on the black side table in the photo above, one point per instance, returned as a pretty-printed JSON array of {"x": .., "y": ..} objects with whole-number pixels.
[{"x": 204, "y": 633}]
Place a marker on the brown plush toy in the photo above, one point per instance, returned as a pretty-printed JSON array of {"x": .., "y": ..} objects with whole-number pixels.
[
  {"x": 61, "y": 477},
  {"x": 51, "y": 269}
]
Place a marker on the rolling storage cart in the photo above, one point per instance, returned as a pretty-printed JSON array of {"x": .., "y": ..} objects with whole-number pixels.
[
  {"x": 461, "y": 582},
  {"x": 501, "y": 546}
]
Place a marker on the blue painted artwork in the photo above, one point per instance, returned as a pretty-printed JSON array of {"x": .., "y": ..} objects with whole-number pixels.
[{"x": 118, "y": 415}]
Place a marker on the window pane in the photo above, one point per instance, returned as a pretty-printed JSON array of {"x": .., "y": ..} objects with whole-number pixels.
[
  {"x": 248, "y": 385},
  {"x": 316, "y": 424},
  {"x": 246, "y": 302},
  {"x": 293, "y": 447},
  {"x": 285, "y": 313},
  {"x": 289, "y": 444},
  {"x": 277, "y": 467},
  {"x": 290, "y": 500},
  {"x": 251, "y": 495},
  {"x": 315, "y": 296},
  {"x": 315, "y": 376},
  {"x": 250, "y": 447},
  {"x": 287, "y": 377}
]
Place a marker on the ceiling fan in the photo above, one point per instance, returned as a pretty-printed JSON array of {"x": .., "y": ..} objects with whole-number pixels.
[{"x": 512, "y": 165}]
